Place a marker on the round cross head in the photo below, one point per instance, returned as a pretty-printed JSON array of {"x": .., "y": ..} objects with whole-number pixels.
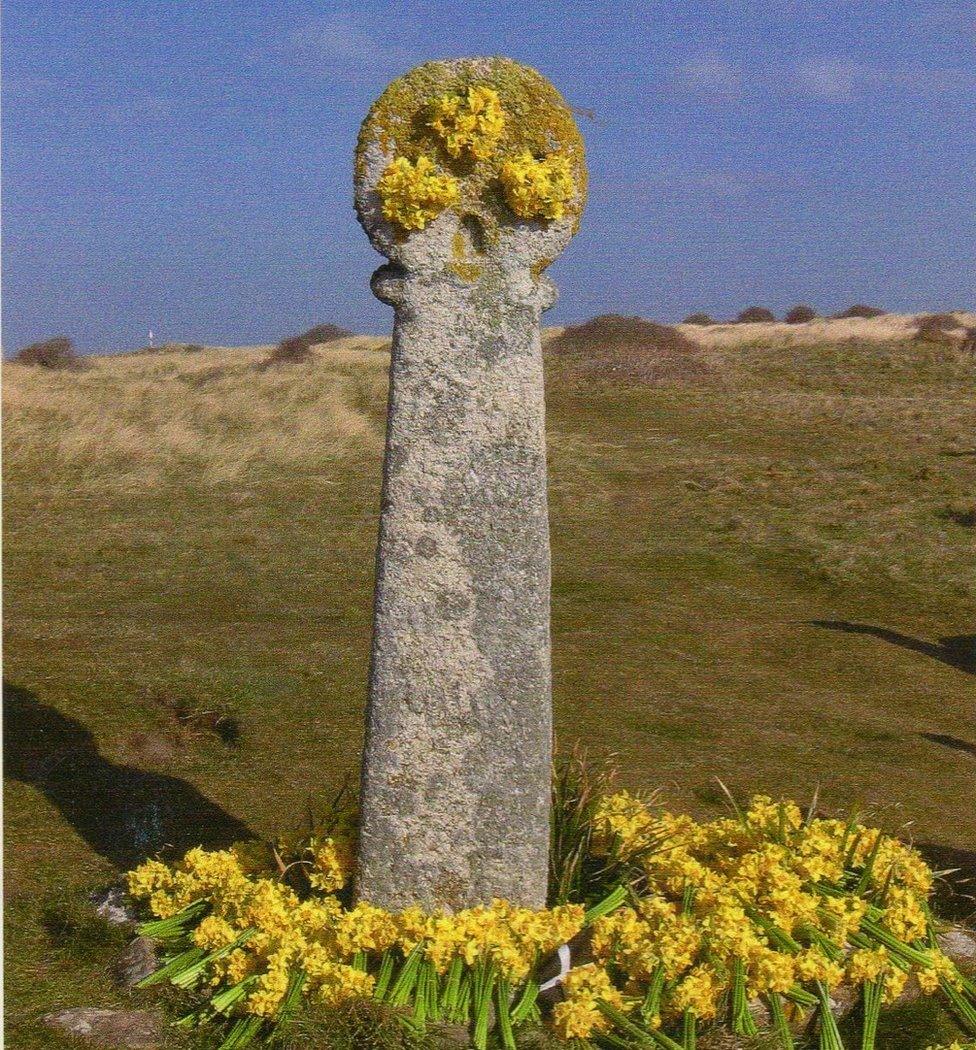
[{"x": 470, "y": 165}]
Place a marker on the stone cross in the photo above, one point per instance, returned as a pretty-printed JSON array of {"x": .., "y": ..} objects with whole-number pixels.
[{"x": 470, "y": 179}]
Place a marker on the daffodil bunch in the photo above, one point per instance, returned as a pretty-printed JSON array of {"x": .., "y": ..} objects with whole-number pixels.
[
  {"x": 767, "y": 904},
  {"x": 413, "y": 193},
  {"x": 707, "y": 918},
  {"x": 538, "y": 188},
  {"x": 263, "y": 946},
  {"x": 469, "y": 123}
]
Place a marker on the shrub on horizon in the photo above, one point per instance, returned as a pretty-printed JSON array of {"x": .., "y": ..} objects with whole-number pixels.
[
  {"x": 935, "y": 328},
  {"x": 297, "y": 349},
  {"x": 630, "y": 348},
  {"x": 756, "y": 315},
  {"x": 800, "y": 314},
  {"x": 859, "y": 310},
  {"x": 55, "y": 353},
  {"x": 699, "y": 319}
]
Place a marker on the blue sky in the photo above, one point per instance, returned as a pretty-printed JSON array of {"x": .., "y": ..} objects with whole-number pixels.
[{"x": 185, "y": 166}]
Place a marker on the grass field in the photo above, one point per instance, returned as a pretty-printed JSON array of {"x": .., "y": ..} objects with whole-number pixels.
[{"x": 767, "y": 575}]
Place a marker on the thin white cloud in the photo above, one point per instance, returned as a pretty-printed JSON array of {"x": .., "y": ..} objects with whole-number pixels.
[
  {"x": 337, "y": 45},
  {"x": 829, "y": 79},
  {"x": 709, "y": 75}
]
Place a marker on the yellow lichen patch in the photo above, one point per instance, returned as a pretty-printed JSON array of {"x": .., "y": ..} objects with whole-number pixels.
[
  {"x": 538, "y": 189},
  {"x": 414, "y": 193},
  {"x": 470, "y": 118},
  {"x": 469, "y": 123},
  {"x": 461, "y": 264}
]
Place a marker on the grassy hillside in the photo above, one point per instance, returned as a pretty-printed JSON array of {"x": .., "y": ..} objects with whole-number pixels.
[{"x": 767, "y": 574}]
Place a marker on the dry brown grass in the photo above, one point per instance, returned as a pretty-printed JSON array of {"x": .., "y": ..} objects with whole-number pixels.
[
  {"x": 885, "y": 329},
  {"x": 149, "y": 416}
]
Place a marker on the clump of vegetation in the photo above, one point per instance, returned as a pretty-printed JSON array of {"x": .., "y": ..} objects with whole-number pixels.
[
  {"x": 700, "y": 319},
  {"x": 579, "y": 782},
  {"x": 297, "y": 349},
  {"x": 194, "y": 719},
  {"x": 630, "y": 348},
  {"x": 74, "y": 927},
  {"x": 356, "y": 1025},
  {"x": 936, "y": 328},
  {"x": 55, "y": 353},
  {"x": 755, "y": 315},
  {"x": 860, "y": 310},
  {"x": 800, "y": 314}
]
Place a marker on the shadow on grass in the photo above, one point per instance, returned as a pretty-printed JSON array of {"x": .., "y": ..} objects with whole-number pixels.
[
  {"x": 955, "y": 742},
  {"x": 123, "y": 813},
  {"x": 957, "y": 651},
  {"x": 955, "y": 891}
]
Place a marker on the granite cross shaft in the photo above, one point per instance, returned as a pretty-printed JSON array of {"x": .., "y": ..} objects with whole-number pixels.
[{"x": 456, "y": 773}]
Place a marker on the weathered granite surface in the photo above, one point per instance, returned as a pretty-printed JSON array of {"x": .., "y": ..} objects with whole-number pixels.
[
  {"x": 137, "y": 962},
  {"x": 122, "y": 1029},
  {"x": 113, "y": 905},
  {"x": 455, "y": 789}
]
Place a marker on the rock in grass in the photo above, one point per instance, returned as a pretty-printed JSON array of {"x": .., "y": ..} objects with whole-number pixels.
[
  {"x": 123, "y": 1029},
  {"x": 113, "y": 905},
  {"x": 138, "y": 961},
  {"x": 843, "y": 999},
  {"x": 959, "y": 944},
  {"x": 761, "y": 1013}
]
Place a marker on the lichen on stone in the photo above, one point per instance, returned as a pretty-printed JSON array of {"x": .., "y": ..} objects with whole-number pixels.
[{"x": 496, "y": 129}]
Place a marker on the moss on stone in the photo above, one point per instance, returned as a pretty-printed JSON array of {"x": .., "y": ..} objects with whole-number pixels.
[{"x": 537, "y": 119}]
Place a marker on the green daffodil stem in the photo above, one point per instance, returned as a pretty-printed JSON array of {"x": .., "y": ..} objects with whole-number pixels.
[
  {"x": 484, "y": 983},
  {"x": 188, "y": 976},
  {"x": 406, "y": 979},
  {"x": 801, "y": 997},
  {"x": 242, "y": 1033},
  {"x": 420, "y": 999},
  {"x": 175, "y": 925},
  {"x": 872, "y": 1011},
  {"x": 175, "y": 966},
  {"x": 609, "y": 903},
  {"x": 434, "y": 1011},
  {"x": 829, "y": 1033},
  {"x": 223, "y": 1001},
  {"x": 289, "y": 1001},
  {"x": 645, "y": 1037},
  {"x": 651, "y": 1006},
  {"x": 462, "y": 1009},
  {"x": 503, "y": 993},
  {"x": 689, "y": 1030},
  {"x": 961, "y": 1006},
  {"x": 452, "y": 986},
  {"x": 383, "y": 975},
  {"x": 743, "y": 1023},
  {"x": 523, "y": 1008},
  {"x": 614, "y": 1042},
  {"x": 780, "y": 1025}
]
